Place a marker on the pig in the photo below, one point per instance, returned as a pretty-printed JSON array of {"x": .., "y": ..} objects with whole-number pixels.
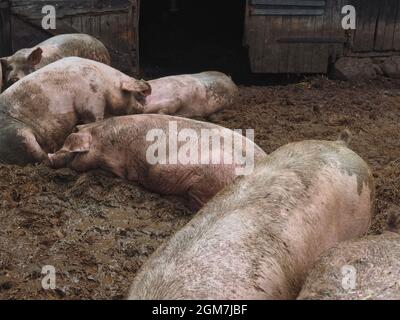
[
  {"x": 364, "y": 269},
  {"x": 122, "y": 146},
  {"x": 26, "y": 61},
  {"x": 40, "y": 111},
  {"x": 258, "y": 238},
  {"x": 196, "y": 95}
]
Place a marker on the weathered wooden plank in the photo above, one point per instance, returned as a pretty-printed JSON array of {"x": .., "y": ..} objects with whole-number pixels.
[
  {"x": 389, "y": 15},
  {"x": 367, "y": 17},
  {"x": 33, "y": 9},
  {"x": 396, "y": 32},
  {"x": 284, "y": 47},
  {"x": 295, "y": 57},
  {"x": 390, "y": 26},
  {"x": 256, "y": 40},
  {"x": 272, "y": 50}
]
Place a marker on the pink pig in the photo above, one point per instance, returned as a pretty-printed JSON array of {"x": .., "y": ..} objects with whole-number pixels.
[{"x": 126, "y": 147}]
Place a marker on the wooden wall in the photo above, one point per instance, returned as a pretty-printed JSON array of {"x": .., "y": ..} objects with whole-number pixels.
[
  {"x": 293, "y": 36},
  {"x": 5, "y": 29},
  {"x": 378, "y": 27},
  {"x": 114, "y": 22}
]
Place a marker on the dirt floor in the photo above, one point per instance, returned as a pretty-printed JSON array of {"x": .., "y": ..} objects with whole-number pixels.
[{"x": 97, "y": 230}]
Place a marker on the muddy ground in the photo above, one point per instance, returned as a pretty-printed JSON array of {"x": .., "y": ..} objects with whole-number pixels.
[{"x": 97, "y": 230}]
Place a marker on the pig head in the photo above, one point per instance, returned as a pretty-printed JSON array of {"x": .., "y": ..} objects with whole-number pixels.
[
  {"x": 74, "y": 152},
  {"x": 20, "y": 64}
]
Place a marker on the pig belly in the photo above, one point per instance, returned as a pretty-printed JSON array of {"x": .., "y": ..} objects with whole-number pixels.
[{"x": 196, "y": 183}]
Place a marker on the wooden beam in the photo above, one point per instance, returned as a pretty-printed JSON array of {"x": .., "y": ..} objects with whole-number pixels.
[{"x": 65, "y": 8}]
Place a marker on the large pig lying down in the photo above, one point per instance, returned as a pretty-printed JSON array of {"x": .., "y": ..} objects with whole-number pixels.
[
  {"x": 26, "y": 61},
  {"x": 258, "y": 238},
  {"x": 40, "y": 111},
  {"x": 373, "y": 262},
  {"x": 121, "y": 145},
  {"x": 197, "y": 95}
]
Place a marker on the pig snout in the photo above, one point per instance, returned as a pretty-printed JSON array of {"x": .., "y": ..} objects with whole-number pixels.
[{"x": 59, "y": 159}]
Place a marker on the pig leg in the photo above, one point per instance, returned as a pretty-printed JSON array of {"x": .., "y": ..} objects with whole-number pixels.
[
  {"x": 166, "y": 107},
  {"x": 18, "y": 145},
  {"x": 32, "y": 146}
]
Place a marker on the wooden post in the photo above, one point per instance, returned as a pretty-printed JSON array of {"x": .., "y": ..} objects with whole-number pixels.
[{"x": 5, "y": 28}]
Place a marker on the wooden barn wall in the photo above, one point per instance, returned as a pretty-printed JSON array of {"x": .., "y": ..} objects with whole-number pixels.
[
  {"x": 5, "y": 29},
  {"x": 114, "y": 22},
  {"x": 378, "y": 26},
  {"x": 297, "y": 43}
]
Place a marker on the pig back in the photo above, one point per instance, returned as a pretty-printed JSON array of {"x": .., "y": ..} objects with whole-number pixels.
[
  {"x": 368, "y": 268},
  {"x": 257, "y": 238},
  {"x": 79, "y": 45}
]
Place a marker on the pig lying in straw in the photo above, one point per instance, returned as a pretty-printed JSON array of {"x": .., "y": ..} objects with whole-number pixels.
[
  {"x": 165, "y": 154},
  {"x": 40, "y": 111},
  {"x": 196, "y": 95},
  {"x": 26, "y": 61},
  {"x": 258, "y": 238}
]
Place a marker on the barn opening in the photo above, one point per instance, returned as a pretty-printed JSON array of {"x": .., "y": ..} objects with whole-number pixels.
[{"x": 188, "y": 36}]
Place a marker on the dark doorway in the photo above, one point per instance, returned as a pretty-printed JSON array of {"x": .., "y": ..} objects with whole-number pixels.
[{"x": 188, "y": 36}]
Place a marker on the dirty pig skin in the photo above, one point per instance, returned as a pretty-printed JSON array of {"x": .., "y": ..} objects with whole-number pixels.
[
  {"x": 258, "y": 238},
  {"x": 40, "y": 111},
  {"x": 26, "y": 61},
  {"x": 362, "y": 269},
  {"x": 191, "y": 95},
  {"x": 121, "y": 145}
]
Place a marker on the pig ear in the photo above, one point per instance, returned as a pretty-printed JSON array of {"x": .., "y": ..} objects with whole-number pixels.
[
  {"x": 4, "y": 62},
  {"x": 35, "y": 56},
  {"x": 78, "y": 142},
  {"x": 139, "y": 86}
]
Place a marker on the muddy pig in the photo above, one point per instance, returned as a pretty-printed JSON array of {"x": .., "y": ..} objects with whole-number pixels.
[
  {"x": 258, "y": 238},
  {"x": 40, "y": 111},
  {"x": 197, "y": 95},
  {"x": 126, "y": 147},
  {"x": 26, "y": 61},
  {"x": 365, "y": 269}
]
